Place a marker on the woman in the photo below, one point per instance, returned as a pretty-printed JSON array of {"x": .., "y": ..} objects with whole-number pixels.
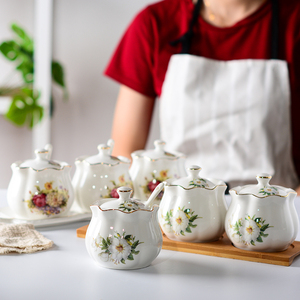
[{"x": 228, "y": 76}]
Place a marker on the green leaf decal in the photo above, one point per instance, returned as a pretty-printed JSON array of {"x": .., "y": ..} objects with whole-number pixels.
[
  {"x": 259, "y": 239},
  {"x": 188, "y": 229},
  {"x": 264, "y": 227}
]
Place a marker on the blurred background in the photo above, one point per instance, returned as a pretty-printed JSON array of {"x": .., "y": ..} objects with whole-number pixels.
[{"x": 84, "y": 36}]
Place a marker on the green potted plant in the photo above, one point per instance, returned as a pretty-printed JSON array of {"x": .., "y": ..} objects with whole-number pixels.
[{"x": 24, "y": 109}]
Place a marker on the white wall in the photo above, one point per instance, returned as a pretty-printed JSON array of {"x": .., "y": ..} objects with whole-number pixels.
[{"x": 85, "y": 33}]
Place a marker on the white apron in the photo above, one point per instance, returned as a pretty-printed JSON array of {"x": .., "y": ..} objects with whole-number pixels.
[{"x": 232, "y": 118}]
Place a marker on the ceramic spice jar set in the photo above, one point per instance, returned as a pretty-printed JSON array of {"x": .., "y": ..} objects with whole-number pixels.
[
  {"x": 125, "y": 233},
  {"x": 193, "y": 209},
  {"x": 262, "y": 217},
  {"x": 98, "y": 176},
  {"x": 40, "y": 188},
  {"x": 150, "y": 167}
]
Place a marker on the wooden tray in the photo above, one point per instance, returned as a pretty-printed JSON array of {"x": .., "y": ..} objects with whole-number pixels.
[{"x": 224, "y": 248}]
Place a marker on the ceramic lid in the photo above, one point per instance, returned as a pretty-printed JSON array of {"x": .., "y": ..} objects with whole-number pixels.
[
  {"x": 104, "y": 156},
  {"x": 42, "y": 161},
  {"x": 193, "y": 180},
  {"x": 262, "y": 189},
  {"x": 158, "y": 152},
  {"x": 124, "y": 203}
]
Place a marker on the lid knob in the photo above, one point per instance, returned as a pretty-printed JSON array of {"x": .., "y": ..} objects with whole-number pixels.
[
  {"x": 193, "y": 171},
  {"x": 124, "y": 193},
  {"x": 42, "y": 154},
  {"x": 104, "y": 149},
  {"x": 263, "y": 179},
  {"x": 111, "y": 144},
  {"x": 159, "y": 145}
]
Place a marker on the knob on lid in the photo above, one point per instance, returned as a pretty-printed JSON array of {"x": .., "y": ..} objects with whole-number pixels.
[
  {"x": 193, "y": 180},
  {"x": 158, "y": 152},
  {"x": 263, "y": 188},
  {"x": 104, "y": 156},
  {"x": 42, "y": 161},
  {"x": 124, "y": 203}
]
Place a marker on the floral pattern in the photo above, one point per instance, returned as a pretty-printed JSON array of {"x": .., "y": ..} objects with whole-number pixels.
[
  {"x": 151, "y": 184},
  {"x": 112, "y": 191},
  {"x": 181, "y": 221},
  {"x": 269, "y": 191},
  {"x": 130, "y": 205},
  {"x": 249, "y": 230},
  {"x": 198, "y": 182},
  {"x": 49, "y": 200},
  {"x": 118, "y": 248}
]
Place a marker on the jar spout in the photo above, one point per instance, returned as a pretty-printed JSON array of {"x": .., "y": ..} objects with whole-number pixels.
[{"x": 95, "y": 210}]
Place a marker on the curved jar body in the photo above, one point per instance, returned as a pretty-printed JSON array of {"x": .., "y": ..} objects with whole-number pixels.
[
  {"x": 263, "y": 221},
  {"x": 149, "y": 168},
  {"x": 193, "y": 214},
  {"x": 99, "y": 177},
  {"x": 123, "y": 238},
  {"x": 40, "y": 193}
]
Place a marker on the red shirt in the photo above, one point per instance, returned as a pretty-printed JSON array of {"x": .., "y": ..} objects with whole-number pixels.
[{"x": 142, "y": 56}]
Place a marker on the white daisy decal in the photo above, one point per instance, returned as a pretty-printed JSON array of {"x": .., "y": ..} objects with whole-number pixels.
[
  {"x": 119, "y": 250},
  {"x": 269, "y": 191},
  {"x": 249, "y": 230},
  {"x": 235, "y": 237},
  {"x": 198, "y": 182},
  {"x": 179, "y": 222}
]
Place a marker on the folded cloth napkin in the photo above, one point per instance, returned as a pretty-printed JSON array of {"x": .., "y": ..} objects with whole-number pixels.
[{"x": 21, "y": 238}]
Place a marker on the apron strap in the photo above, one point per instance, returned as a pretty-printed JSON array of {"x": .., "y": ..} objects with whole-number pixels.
[
  {"x": 186, "y": 39},
  {"x": 275, "y": 30}
]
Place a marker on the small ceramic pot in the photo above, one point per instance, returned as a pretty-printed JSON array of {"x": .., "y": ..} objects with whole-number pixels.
[
  {"x": 98, "y": 176},
  {"x": 151, "y": 167},
  {"x": 124, "y": 233},
  {"x": 193, "y": 209},
  {"x": 262, "y": 217},
  {"x": 40, "y": 188}
]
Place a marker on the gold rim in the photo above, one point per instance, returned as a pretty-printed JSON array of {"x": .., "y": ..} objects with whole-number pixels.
[
  {"x": 136, "y": 156},
  {"x": 264, "y": 177},
  {"x": 261, "y": 197},
  {"x": 23, "y": 168},
  {"x": 103, "y": 163},
  {"x": 197, "y": 187},
  {"x": 128, "y": 212}
]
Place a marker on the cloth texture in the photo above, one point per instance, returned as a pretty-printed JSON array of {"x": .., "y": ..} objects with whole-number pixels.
[
  {"x": 141, "y": 59},
  {"x": 244, "y": 132},
  {"x": 21, "y": 238}
]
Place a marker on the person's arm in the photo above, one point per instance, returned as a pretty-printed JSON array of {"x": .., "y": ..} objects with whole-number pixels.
[
  {"x": 298, "y": 190},
  {"x": 132, "y": 120}
]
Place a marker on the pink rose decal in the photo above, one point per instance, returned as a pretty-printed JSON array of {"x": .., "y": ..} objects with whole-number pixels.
[
  {"x": 114, "y": 193},
  {"x": 153, "y": 184},
  {"x": 39, "y": 200},
  {"x": 48, "y": 200}
]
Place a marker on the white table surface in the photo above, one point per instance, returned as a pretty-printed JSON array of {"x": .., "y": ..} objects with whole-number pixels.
[{"x": 67, "y": 272}]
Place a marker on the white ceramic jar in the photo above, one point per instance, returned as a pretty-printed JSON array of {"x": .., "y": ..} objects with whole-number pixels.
[
  {"x": 98, "y": 176},
  {"x": 193, "y": 209},
  {"x": 124, "y": 233},
  {"x": 151, "y": 167},
  {"x": 262, "y": 217},
  {"x": 40, "y": 188}
]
